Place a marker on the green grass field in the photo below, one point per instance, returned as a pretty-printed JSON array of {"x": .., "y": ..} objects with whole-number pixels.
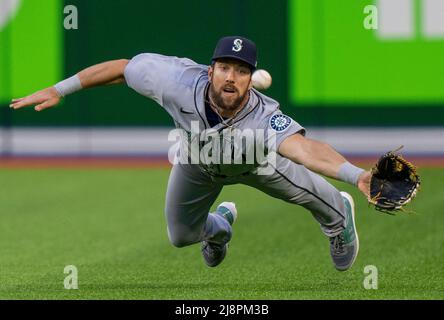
[{"x": 110, "y": 224}]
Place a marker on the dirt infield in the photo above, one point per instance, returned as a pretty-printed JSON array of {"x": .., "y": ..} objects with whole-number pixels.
[{"x": 156, "y": 162}]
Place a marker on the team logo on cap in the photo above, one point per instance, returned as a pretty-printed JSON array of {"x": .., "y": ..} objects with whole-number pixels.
[
  {"x": 237, "y": 45},
  {"x": 280, "y": 122}
]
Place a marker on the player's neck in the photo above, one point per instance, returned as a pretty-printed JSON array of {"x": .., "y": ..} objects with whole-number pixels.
[{"x": 227, "y": 113}]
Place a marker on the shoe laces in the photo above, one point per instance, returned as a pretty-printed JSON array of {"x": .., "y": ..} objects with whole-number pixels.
[{"x": 338, "y": 243}]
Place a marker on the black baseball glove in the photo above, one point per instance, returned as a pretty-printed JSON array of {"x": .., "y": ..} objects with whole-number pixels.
[{"x": 394, "y": 183}]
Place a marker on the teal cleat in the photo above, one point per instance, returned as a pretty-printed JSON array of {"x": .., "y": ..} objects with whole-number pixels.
[
  {"x": 345, "y": 246},
  {"x": 215, "y": 253},
  {"x": 228, "y": 211}
]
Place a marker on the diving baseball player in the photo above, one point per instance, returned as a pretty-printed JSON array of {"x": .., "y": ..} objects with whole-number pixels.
[{"x": 218, "y": 100}]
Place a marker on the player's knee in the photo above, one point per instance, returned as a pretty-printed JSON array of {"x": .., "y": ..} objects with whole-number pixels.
[
  {"x": 181, "y": 242},
  {"x": 180, "y": 239},
  {"x": 178, "y": 242}
]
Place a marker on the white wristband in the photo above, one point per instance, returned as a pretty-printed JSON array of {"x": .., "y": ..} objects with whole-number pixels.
[
  {"x": 68, "y": 86},
  {"x": 349, "y": 173}
]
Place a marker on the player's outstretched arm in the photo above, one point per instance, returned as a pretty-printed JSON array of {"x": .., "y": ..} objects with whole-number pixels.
[
  {"x": 110, "y": 72},
  {"x": 321, "y": 158}
]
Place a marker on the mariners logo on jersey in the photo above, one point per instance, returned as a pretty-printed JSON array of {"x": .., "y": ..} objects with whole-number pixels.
[
  {"x": 280, "y": 122},
  {"x": 237, "y": 45}
]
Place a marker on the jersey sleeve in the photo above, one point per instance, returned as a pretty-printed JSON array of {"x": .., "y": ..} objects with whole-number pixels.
[
  {"x": 278, "y": 127},
  {"x": 155, "y": 75}
]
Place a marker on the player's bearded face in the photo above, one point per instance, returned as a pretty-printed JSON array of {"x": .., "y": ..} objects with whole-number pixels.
[{"x": 230, "y": 82}]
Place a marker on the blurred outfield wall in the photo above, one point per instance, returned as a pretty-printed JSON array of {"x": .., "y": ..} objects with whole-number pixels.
[{"x": 328, "y": 70}]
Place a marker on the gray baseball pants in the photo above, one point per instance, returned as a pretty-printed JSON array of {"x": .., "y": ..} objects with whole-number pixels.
[{"x": 191, "y": 193}]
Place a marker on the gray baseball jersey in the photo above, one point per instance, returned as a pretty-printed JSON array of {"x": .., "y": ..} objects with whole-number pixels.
[{"x": 179, "y": 85}]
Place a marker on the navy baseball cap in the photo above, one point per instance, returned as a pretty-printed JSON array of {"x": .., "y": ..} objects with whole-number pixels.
[{"x": 239, "y": 48}]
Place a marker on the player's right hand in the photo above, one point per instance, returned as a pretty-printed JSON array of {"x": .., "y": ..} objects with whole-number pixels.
[{"x": 43, "y": 99}]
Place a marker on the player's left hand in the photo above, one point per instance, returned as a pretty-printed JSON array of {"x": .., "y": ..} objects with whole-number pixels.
[{"x": 364, "y": 183}]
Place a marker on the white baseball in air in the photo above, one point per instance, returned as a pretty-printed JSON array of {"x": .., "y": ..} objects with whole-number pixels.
[
  {"x": 261, "y": 79},
  {"x": 8, "y": 9}
]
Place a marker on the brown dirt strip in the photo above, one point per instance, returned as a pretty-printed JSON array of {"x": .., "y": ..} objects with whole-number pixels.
[
  {"x": 83, "y": 162},
  {"x": 142, "y": 162}
]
